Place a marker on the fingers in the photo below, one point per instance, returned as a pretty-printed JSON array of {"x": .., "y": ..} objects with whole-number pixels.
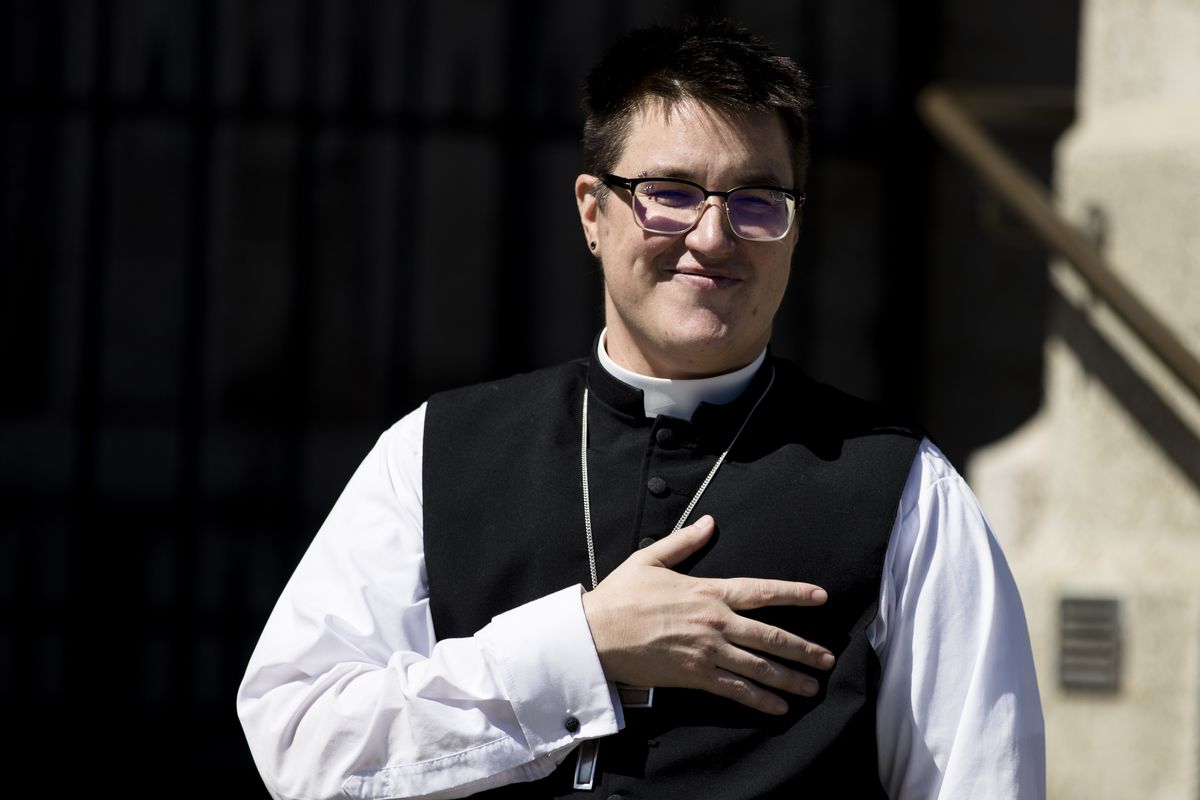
[
  {"x": 738, "y": 593},
  {"x": 745, "y": 593},
  {"x": 748, "y": 678},
  {"x": 672, "y": 549},
  {"x": 772, "y": 641},
  {"x": 739, "y": 687},
  {"x": 653, "y": 626},
  {"x": 742, "y": 690}
]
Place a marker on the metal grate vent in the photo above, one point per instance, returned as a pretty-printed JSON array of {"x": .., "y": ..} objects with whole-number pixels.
[{"x": 1090, "y": 647}]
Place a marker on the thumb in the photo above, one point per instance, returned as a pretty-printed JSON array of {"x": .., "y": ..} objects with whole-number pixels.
[{"x": 677, "y": 546}]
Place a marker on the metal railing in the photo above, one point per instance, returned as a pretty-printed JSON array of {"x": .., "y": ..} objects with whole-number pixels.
[{"x": 953, "y": 115}]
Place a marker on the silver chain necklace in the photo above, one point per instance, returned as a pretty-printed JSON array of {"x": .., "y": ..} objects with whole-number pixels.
[{"x": 583, "y": 462}]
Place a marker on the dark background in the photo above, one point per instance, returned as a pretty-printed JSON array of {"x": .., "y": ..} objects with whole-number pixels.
[{"x": 239, "y": 239}]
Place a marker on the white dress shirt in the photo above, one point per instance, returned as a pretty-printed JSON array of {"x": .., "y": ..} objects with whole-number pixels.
[{"x": 348, "y": 692}]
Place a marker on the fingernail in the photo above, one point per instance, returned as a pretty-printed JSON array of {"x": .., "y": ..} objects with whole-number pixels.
[
  {"x": 778, "y": 706},
  {"x": 826, "y": 661},
  {"x": 819, "y": 595}
]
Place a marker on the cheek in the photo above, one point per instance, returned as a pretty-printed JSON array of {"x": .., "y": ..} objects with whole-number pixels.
[
  {"x": 634, "y": 255},
  {"x": 782, "y": 265},
  {"x": 776, "y": 280}
]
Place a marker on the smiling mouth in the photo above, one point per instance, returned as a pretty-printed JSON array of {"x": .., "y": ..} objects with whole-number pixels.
[{"x": 705, "y": 280}]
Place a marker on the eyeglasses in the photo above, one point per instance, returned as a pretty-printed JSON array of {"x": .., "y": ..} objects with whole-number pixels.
[{"x": 674, "y": 206}]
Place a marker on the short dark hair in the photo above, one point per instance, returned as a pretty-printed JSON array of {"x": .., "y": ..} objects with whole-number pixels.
[{"x": 713, "y": 61}]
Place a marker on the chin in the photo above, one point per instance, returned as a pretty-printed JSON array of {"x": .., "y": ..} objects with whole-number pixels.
[
  {"x": 703, "y": 327},
  {"x": 710, "y": 353}
]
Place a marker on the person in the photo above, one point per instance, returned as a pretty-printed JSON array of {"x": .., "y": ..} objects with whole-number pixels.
[{"x": 676, "y": 567}]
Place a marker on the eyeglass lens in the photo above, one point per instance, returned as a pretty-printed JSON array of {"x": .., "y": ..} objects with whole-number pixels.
[{"x": 670, "y": 207}]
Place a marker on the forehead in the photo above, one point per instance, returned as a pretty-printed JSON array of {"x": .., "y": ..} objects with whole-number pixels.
[{"x": 693, "y": 140}]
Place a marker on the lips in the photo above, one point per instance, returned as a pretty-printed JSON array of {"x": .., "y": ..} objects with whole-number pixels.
[{"x": 705, "y": 278}]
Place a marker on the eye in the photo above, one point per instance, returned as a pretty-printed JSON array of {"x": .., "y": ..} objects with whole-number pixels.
[
  {"x": 758, "y": 202},
  {"x": 669, "y": 194}
]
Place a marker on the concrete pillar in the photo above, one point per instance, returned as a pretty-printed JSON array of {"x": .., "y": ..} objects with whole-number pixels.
[{"x": 1099, "y": 495}]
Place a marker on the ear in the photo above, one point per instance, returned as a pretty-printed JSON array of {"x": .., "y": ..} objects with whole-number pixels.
[{"x": 589, "y": 211}]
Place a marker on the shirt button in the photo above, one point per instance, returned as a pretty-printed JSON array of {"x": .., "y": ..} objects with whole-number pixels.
[
  {"x": 644, "y": 543},
  {"x": 571, "y": 724},
  {"x": 657, "y": 486},
  {"x": 665, "y": 437}
]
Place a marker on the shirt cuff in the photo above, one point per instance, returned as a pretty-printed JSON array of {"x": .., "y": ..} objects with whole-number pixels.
[{"x": 546, "y": 657}]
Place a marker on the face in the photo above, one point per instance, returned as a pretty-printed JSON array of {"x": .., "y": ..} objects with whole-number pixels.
[{"x": 699, "y": 303}]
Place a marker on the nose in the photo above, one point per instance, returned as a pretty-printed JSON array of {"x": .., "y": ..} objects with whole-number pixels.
[{"x": 712, "y": 234}]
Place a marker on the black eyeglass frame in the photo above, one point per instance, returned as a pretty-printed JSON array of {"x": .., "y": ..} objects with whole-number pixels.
[{"x": 630, "y": 185}]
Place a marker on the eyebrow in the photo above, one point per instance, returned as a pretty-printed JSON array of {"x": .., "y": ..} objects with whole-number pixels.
[{"x": 749, "y": 179}]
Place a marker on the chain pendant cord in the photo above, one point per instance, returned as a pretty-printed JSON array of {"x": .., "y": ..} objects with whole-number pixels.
[
  {"x": 585, "y": 763},
  {"x": 587, "y": 505},
  {"x": 583, "y": 466}
]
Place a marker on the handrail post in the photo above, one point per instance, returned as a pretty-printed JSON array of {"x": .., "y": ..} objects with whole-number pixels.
[{"x": 947, "y": 118}]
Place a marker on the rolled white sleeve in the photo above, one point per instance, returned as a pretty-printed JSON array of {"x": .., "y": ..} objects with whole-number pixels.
[
  {"x": 348, "y": 693},
  {"x": 959, "y": 715}
]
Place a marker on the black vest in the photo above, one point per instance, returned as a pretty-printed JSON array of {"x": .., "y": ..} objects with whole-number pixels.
[{"x": 809, "y": 493}]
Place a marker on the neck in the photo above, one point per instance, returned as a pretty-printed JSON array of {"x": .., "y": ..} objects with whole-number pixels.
[
  {"x": 679, "y": 397},
  {"x": 690, "y": 366}
]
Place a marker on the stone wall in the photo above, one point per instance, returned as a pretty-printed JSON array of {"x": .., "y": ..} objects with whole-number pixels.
[{"x": 1099, "y": 495}]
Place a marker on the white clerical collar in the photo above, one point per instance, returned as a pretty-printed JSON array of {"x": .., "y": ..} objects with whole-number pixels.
[{"x": 679, "y": 397}]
